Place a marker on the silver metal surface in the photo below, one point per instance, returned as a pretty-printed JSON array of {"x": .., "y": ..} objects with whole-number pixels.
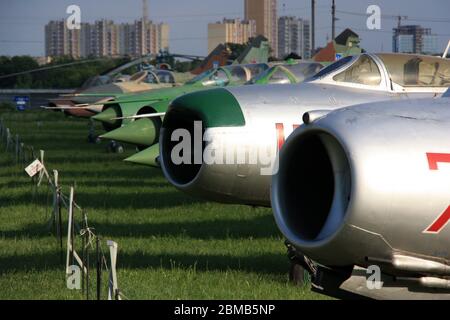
[
  {"x": 354, "y": 287},
  {"x": 385, "y": 194},
  {"x": 266, "y": 106}
]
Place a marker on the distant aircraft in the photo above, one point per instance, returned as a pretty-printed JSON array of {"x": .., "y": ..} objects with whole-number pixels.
[
  {"x": 92, "y": 97},
  {"x": 87, "y": 102},
  {"x": 123, "y": 117},
  {"x": 362, "y": 195},
  {"x": 138, "y": 132},
  {"x": 288, "y": 72},
  {"x": 255, "y": 120},
  {"x": 291, "y": 71},
  {"x": 257, "y": 51}
]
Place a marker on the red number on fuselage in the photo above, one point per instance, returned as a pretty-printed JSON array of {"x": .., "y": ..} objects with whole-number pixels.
[{"x": 444, "y": 217}]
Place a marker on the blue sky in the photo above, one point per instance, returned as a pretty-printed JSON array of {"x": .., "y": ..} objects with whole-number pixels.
[{"x": 22, "y": 21}]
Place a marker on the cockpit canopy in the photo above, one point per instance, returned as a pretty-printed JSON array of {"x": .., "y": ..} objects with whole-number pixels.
[
  {"x": 224, "y": 75},
  {"x": 417, "y": 70},
  {"x": 406, "y": 70},
  {"x": 165, "y": 76},
  {"x": 287, "y": 73}
]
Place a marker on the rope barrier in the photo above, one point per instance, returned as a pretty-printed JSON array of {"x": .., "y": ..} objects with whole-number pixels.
[{"x": 90, "y": 240}]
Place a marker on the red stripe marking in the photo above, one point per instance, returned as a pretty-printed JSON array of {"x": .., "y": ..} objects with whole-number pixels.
[
  {"x": 434, "y": 158},
  {"x": 440, "y": 222},
  {"x": 444, "y": 217},
  {"x": 280, "y": 134},
  {"x": 296, "y": 126}
]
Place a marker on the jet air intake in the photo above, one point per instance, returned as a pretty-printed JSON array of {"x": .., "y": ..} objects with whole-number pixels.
[
  {"x": 368, "y": 184},
  {"x": 179, "y": 174},
  {"x": 312, "y": 188},
  {"x": 200, "y": 119}
]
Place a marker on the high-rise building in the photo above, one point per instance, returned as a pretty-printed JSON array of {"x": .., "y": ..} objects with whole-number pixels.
[
  {"x": 105, "y": 38},
  {"x": 294, "y": 37},
  {"x": 264, "y": 12},
  {"x": 230, "y": 31},
  {"x": 60, "y": 41},
  {"x": 143, "y": 37},
  {"x": 414, "y": 39}
]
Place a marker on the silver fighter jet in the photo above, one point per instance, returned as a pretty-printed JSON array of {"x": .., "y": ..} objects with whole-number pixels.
[
  {"x": 364, "y": 192},
  {"x": 244, "y": 127}
]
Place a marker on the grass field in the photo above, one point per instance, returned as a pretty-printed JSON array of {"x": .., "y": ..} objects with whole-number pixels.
[{"x": 171, "y": 246}]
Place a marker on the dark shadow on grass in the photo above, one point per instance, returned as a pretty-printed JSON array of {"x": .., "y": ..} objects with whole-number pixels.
[
  {"x": 99, "y": 182},
  {"x": 256, "y": 228},
  {"x": 114, "y": 172},
  {"x": 267, "y": 263},
  {"x": 131, "y": 200}
]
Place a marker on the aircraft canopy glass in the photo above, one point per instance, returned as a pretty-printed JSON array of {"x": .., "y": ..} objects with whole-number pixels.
[
  {"x": 151, "y": 78},
  {"x": 364, "y": 71},
  {"x": 239, "y": 74},
  {"x": 256, "y": 69},
  {"x": 165, "y": 76},
  {"x": 333, "y": 67},
  {"x": 417, "y": 70},
  {"x": 279, "y": 77},
  {"x": 217, "y": 78},
  {"x": 304, "y": 70}
]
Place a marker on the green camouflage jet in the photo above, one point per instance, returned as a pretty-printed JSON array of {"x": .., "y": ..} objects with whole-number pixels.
[{"x": 142, "y": 133}]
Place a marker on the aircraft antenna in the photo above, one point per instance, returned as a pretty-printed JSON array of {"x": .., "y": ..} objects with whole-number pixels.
[{"x": 333, "y": 20}]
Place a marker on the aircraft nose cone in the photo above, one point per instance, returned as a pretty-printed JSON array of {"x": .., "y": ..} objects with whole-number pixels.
[
  {"x": 106, "y": 116},
  {"x": 142, "y": 132},
  {"x": 215, "y": 107},
  {"x": 147, "y": 157}
]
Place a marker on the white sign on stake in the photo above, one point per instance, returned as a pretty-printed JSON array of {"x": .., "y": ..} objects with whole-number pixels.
[{"x": 34, "y": 168}]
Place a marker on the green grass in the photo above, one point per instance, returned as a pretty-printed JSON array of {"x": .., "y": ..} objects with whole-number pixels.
[{"x": 171, "y": 246}]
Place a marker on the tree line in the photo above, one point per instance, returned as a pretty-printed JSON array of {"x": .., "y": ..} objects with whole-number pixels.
[{"x": 64, "y": 77}]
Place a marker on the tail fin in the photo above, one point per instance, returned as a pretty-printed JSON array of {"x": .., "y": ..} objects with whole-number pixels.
[
  {"x": 345, "y": 44},
  {"x": 217, "y": 58},
  {"x": 256, "y": 52}
]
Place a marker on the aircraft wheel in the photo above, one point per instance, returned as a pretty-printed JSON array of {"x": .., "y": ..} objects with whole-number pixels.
[
  {"x": 119, "y": 148},
  {"x": 91, "y": 138},
  {"x": 302, "y": 269}
]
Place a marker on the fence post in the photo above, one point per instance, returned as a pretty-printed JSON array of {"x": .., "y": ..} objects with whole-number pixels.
[
  {"x": 8, "y": 138},
  {"x": 113, "y": 290},
  {"x": 99, "y": 266},
  {"x": 86, "y": 237},
  {"x": 17, "y": 148},
  {"x": 41, "y": 174},
  {"x": 69, "y": 231},
  {"x": 57, "y": 212},
  {"x": 22, "y": 153}
]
